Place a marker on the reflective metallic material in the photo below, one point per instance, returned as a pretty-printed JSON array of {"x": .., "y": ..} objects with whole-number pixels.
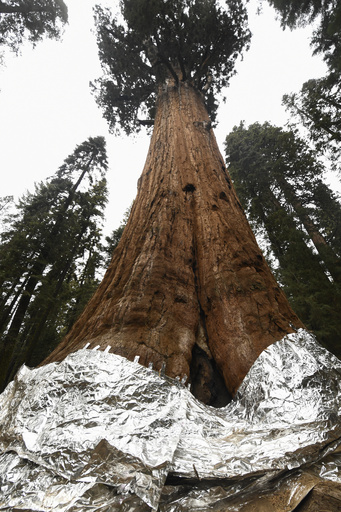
[{"x": 99, "y": 432}]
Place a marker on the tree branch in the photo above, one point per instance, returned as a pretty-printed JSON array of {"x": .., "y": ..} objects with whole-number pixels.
[
  {"x": 8, "y": 9},
  {"x": 146, "y": 122}
]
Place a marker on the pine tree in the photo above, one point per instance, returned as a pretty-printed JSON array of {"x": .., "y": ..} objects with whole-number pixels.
[
  {"x": 55, "y": 227},
  {"x": 187, "y": 286},
  {"x": 279, "y": 182}
]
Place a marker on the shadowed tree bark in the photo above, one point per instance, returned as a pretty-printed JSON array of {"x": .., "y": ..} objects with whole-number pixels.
[{"x": 188, "y": 285}]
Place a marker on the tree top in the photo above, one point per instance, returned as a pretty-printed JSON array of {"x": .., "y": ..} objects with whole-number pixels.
[{"x": 151, "y": 41}]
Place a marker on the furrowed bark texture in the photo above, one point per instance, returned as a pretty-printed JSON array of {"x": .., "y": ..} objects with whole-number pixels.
[{"x": 188, "y": 285}]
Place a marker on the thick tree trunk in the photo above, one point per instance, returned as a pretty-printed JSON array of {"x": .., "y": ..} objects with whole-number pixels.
[{"x": 187, "y": 285}]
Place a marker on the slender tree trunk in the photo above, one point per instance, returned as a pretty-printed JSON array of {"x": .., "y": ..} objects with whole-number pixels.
[
  {"x": 187, "y": 277},
  {"x": 7, "y": 310},
  {"x": 32, "y": 339},
  {"x": 11, "y": 343},
  {"x": 330, "y": 259}
]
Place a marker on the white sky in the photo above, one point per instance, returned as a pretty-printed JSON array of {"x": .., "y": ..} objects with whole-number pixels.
[{"x": 46, "y": 107}]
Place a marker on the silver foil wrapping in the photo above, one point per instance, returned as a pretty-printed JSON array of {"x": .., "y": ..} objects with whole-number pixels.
[{"x": 98, "y": 432}]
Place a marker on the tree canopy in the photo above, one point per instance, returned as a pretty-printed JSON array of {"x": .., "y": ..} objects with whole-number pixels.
[
  {"x": 30, "y": 20},
  {"x": 327, "y": 15},
  {"x": 151, "y": 41},
  {"x": 318, "y": 107}
]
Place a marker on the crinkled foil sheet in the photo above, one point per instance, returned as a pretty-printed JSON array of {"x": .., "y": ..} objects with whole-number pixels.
[{"x": 100, "y": 433}]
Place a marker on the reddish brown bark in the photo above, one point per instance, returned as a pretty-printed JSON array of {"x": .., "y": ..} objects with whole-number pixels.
[{"x": 188, "y": 278}]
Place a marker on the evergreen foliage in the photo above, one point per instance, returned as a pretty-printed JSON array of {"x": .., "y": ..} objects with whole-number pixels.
[
  {"x": 327, "y": 14},
  {"x": 318, "y": 108},
  {"x": 279, "y": 182},
  {"x": 6, "y": 202},
  {"x": 197, "y": 41},
  {"x": 49, "y": 252},
  {"x": 30, "y": 20}
]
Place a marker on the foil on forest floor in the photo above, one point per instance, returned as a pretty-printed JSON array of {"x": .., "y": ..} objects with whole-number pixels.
[{"x": 97, "y": 431}]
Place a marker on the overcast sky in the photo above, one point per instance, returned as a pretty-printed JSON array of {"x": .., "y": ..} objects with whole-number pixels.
[{"x": 47, "y": 109}]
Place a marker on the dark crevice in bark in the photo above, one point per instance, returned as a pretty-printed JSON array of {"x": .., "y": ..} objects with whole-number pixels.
[
  {"x": 207, "y": 384},
  {"x": 223, "y": 196}
]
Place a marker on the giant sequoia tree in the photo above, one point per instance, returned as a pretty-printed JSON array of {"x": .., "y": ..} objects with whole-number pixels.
[{"x": 188, "y": 286}]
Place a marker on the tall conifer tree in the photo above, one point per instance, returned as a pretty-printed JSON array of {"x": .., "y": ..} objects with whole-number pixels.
[
  {"x": 53, "y": 229},
  {"x": 187, "y": 286},
  {"x": 280, "y": 184}
]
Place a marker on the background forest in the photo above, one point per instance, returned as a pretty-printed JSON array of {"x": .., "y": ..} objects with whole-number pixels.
[{"x": 53, "y": 248}]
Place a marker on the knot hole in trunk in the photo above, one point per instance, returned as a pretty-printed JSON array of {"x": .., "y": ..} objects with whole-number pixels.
[{"x": 189, "y": 188}]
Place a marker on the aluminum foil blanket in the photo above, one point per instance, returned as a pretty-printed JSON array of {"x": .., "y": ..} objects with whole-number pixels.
[{"x": 98, "y": 432}]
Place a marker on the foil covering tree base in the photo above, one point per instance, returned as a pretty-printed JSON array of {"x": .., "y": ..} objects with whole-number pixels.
[{"x": 98, "y": 432}]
